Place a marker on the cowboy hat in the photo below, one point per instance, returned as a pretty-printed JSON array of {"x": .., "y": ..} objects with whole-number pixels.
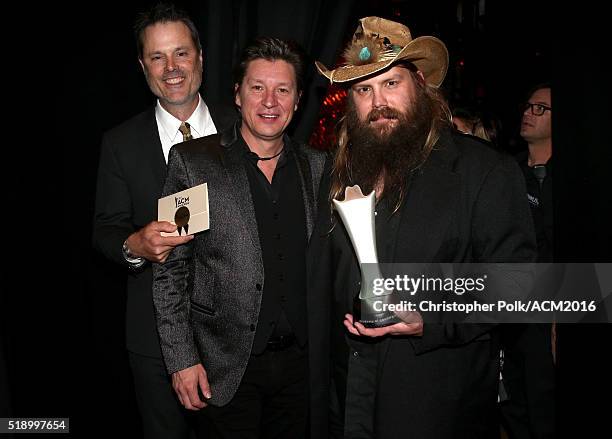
[{"x": 378, "y": 43}]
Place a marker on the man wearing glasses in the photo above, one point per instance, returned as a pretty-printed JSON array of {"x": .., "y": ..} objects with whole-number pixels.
[
  {"x": 537, "y": 132},
  {"x": 528, "y": 370}
]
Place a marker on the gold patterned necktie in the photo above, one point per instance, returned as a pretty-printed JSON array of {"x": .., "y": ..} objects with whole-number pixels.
[{"x": 185, "y": 129}]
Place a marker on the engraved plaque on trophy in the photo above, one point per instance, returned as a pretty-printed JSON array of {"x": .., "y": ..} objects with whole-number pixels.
[{"x": 357, "y": 213}]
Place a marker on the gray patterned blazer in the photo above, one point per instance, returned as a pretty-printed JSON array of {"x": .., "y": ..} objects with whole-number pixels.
[{"x": 207, "y": 294}]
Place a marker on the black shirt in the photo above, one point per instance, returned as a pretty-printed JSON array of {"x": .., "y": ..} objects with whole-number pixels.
[
  {"x": 539, "y": 196},
  {"x": 281, "y": 223}
]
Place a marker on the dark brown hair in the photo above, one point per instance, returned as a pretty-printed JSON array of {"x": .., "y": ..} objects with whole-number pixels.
[
  {"x": 272, "y": 49},
  {"x": 163, "y": 13}
]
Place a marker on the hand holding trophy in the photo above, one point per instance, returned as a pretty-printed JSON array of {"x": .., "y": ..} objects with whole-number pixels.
[{"x": 370, "y": 308}]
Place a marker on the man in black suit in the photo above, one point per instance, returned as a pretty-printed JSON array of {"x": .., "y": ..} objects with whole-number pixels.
[
  {"x": 130, "y": 179},
  {"x": 231, "y": 303},
  {"x": 441, "y": 197}
]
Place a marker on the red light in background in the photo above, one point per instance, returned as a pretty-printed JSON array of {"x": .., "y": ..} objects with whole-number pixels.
[{"x": 331, "y": 111}]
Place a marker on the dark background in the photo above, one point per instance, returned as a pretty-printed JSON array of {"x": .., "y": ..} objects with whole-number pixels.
[{"x": 62, "y": 306}]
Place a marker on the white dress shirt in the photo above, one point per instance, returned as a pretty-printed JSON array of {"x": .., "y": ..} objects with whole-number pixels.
[{"x": 200, "y": 122}]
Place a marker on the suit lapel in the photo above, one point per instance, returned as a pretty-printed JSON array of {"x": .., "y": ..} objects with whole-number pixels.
[
  {"x": 425, "y": 215},
  {"x": 304, "y": 170},
  {"x": 426, "y": 212},
  {"x": 150, "y": 139},
  {"x": 241, "y": 190},
  {"x": 236, "y": 174}
]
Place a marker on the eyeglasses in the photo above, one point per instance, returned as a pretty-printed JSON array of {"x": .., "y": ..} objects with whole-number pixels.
[{"x": 535, "y": 109}]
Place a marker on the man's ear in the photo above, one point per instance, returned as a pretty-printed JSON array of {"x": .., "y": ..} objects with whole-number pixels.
[
  {"x": 237, "y": 95},
  {"x": 297, "y": 101},
  {"x": 142, "y": 66},
  {"x": 421, "y": 76}
]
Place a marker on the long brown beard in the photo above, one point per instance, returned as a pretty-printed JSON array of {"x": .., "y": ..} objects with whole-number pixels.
[{"x": 388, "y": 156}]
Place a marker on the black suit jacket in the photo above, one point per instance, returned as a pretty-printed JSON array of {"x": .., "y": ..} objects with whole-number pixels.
[
  {"x": 131, "y": 175},
  {"x": 208, "y": 292},
  {"x": 466, "y": 204}
]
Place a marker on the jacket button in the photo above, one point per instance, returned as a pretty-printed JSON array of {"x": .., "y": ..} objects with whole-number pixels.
[
  {"x": 258, "y": 287},
  {"x": 252, "y": 327}
]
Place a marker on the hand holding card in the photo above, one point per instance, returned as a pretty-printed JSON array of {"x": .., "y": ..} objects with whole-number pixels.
[{"x": 187, "y": 209}]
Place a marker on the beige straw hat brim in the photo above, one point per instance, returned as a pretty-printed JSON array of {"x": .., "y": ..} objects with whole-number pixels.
[{"x": 427, "y": 53}]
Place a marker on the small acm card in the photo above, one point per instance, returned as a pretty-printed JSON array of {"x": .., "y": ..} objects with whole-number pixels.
[{"x": 187, "y": 209}]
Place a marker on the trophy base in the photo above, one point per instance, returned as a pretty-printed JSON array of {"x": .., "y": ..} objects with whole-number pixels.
[
  {"x": 380, "y": 323},
  {"x": 365, "y": 313}
]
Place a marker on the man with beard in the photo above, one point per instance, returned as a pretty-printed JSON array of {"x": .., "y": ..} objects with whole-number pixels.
[{"x": 441, "y": 197}]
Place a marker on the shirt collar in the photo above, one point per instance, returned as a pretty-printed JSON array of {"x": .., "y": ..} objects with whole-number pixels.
[
  {"x": 249, "y": 155},
  {"x": 253, "y": 158},
  {"x": 200, "y": 121}
]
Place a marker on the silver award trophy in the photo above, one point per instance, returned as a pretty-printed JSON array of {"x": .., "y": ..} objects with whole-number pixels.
[{"x": 357, "y": 213}]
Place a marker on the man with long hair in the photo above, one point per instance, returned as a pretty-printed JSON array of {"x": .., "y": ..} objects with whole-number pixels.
[{"x": 440, "y": 197}]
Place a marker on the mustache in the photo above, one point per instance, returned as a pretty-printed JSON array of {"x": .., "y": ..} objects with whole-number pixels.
[{"x": 386, "y": 112}]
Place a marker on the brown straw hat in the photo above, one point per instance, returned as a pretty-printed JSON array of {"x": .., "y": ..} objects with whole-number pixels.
[{"x": 378, "y": 43}]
